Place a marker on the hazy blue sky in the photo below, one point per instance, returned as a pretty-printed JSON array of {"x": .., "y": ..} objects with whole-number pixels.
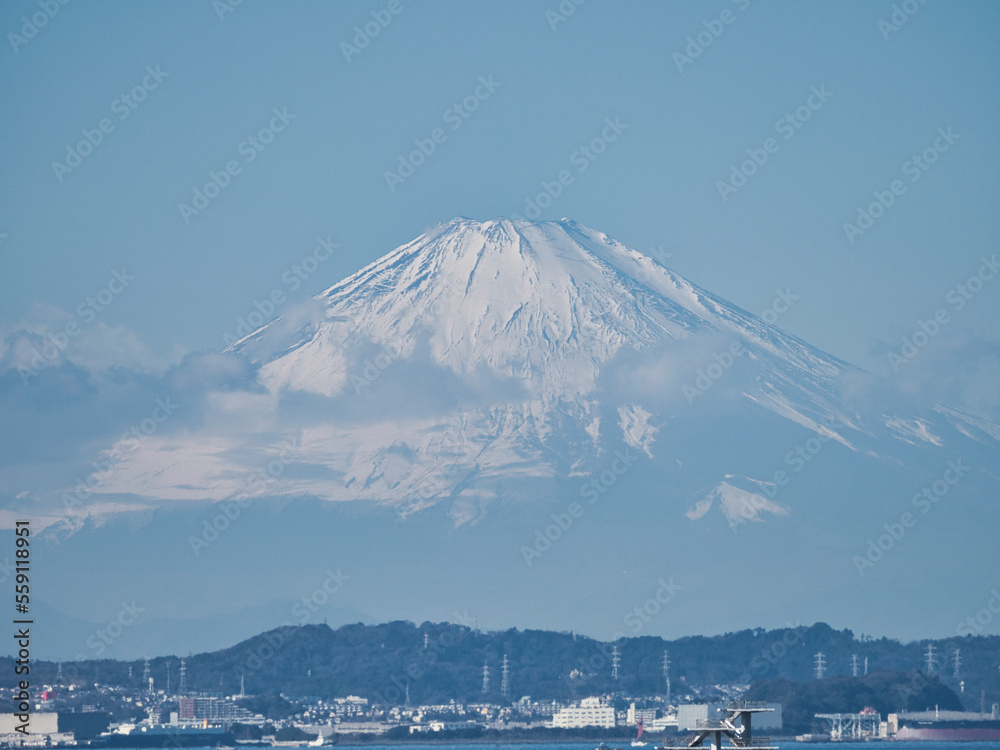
[
  {"x": 334, "y": 144},
  {"x": 556, "y": 81}
]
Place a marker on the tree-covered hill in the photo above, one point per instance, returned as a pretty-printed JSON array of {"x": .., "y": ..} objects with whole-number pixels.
[{"x": 438, "y": 662}]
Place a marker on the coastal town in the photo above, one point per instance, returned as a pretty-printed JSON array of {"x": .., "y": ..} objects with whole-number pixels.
[{"x": 106, "y": 716}]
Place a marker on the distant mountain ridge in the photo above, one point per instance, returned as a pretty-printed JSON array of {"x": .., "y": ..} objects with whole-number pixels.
[{"x": 438, "y": 662}]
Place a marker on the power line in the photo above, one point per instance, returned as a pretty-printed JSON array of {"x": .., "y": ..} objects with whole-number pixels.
[
  {"x": 504, "y": 679},
  {"x": 666, "y": 673},
  {"x": 820, "y": 664}
]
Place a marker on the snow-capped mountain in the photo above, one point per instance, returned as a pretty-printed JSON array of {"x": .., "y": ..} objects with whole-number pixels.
[
  {"x": 537, "y": 406},
  {"x": 543, "y": 304},
  {"x": 527, "y": 350}
]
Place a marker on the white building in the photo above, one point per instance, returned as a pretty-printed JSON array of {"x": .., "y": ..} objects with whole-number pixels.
[
  {"x": 646, "y": 715},
  {"x": 592, "y": 712}
]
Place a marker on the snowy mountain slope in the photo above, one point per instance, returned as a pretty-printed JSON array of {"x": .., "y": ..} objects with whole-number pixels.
[
  {"x": 520, "y": 298},
  {"x": 483, "y": 354}
]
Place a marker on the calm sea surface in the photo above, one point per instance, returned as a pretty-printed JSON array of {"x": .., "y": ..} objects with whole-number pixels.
[{"x": 888, "y": 745}]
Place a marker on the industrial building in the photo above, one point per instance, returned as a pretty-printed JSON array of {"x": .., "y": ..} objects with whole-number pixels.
[{"x": 591, "y": 712}]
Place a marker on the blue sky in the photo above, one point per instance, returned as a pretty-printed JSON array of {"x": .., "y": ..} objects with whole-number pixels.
[
  {"x": 632, "y": 113},
  {"x": 655, "y": 185}
]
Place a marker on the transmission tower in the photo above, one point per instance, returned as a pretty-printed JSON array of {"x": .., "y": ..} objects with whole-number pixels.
[
  {"x": 59, "y": 677},
  {"x": 666, "y": 673},
  {"x": 930, "y": 658},
  {"x": 820, "y": 664},
  {"x": 168, "y": 678},
  {"x": 504, "y": 679},
  {"x": 145, "y": 671},
  {"x": 958, "y": 662},
  {"x": 486, "y": 678},
  {"x": 615, "y": 661},
  {"x": 866, "y": 665},
  {"x": 183, "y": 688}
]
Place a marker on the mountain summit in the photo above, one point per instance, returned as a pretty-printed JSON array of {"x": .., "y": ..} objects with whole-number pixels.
[{"x": 545, "y": 304}]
